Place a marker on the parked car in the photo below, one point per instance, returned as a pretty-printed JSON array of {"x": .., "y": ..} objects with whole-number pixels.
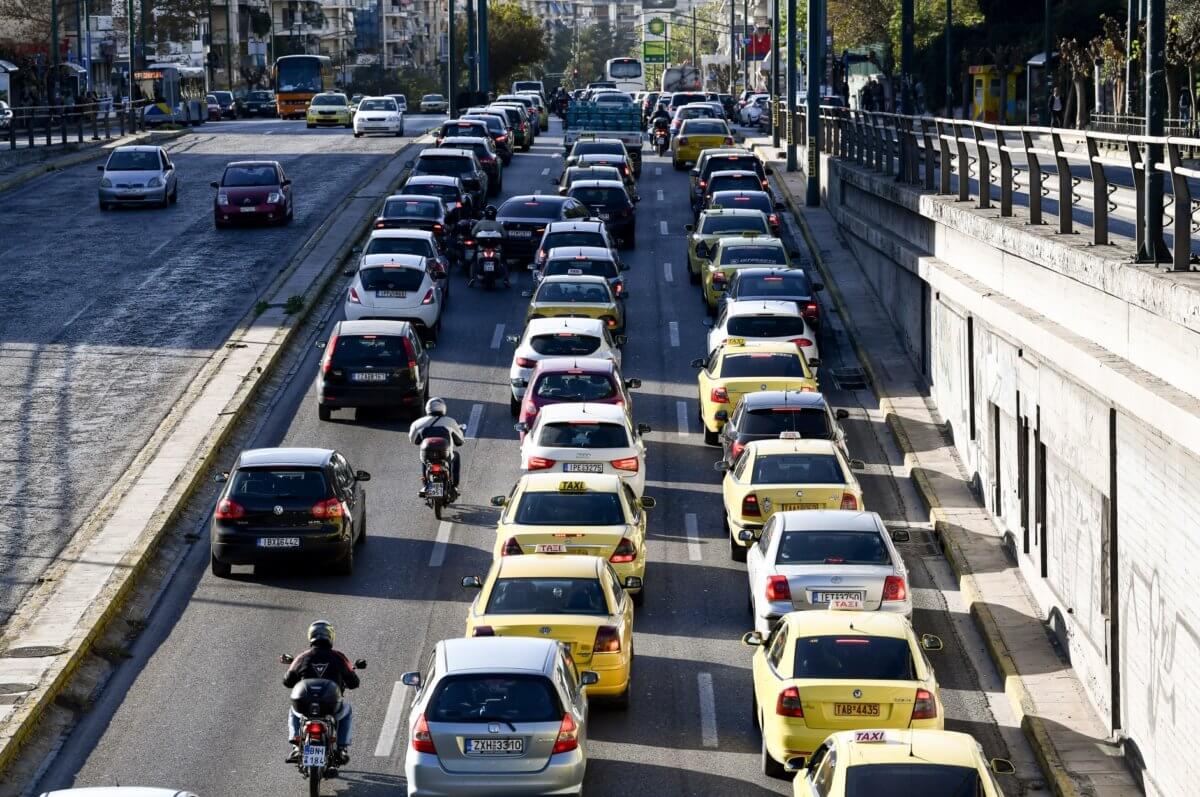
[
  {"x": 214, "y": 108},
  {"x": 6, "y": 115},
  {"x": 138, "y": 175},
  {"x": 252, "y": 191}
]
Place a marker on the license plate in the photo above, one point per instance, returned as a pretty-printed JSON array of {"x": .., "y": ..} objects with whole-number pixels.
[
  {"x": 248, "y": 210},
  {"x": 605, "y": 216},
  {"x": 434, "y": 490},
  {"x": 369, "y": 377},
  {"x": 794, "y": 507},
  {"x": 552, "y": 547},
  {"x": 583, "y": 467},
  {"x": 278, "y": 542},
  {"x": 827, "y": 596},
  {"x": 489, "y": 266},
  {"x": 856, "y": 709},
  {"x": 314, "y": 755},
  {"x": 391, "y": 294},
  {"x": 496, "y": 746},
  {"x": 520, "y": 234}
]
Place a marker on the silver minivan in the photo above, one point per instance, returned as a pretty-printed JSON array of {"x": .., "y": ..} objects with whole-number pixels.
[
  {"x": 138, "y": 175},
  {"x": 497, "y": 716}
]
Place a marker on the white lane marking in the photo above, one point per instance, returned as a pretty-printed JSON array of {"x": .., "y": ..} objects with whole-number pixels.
[
  {"x": 497, "y": 336},
  {"x": 658, "y": 171},
  {"x": 391, "y": 720},
  {"x": 667, "y": 275},
  {"x": 159, "y": 248},
  {"x": 673, "y": 330},
  {"x": 693, "y": 535},
  {"x": 78, "y": 313},
  {"x": 537, "y": 191},
  {"x": 681, "y": 416},
  {"x": 662, "y": 227},
  {"x": 472, "y": 430},
  {"x": 659, "y": 195},
  {"x": 545, "y": 171},
  {"x": 708, "y": 710},
  {"x": 439, "y": 545}
]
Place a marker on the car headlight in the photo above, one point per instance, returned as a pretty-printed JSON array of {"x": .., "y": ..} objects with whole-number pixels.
[
  {"x": 155, "y": 182},
  {"x": 106, "y": 183},
  {"x": 222, "y": 199},
  {"x": 274, "y": 197}
]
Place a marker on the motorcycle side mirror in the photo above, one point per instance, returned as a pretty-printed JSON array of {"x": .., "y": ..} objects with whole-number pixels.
[
  {"x": 412, "y": 679},
  {"x": 644, "y": 428},
  {"x": 526, "y": 294},
  {"x": 285, "y": 658},
  {"x": 360, "y": 664}
]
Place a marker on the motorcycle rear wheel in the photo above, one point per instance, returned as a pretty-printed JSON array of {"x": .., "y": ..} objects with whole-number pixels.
[
  {"x": 437, "y": 507},
  {"x": 314, "y": 781}
]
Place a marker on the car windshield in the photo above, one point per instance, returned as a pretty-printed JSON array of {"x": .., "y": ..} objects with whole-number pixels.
[
  {"x": 259, "y": 96},
  {"x": 598, "y": 148},
  {"x": 224, "y": 96},
  {"x": 451, "y": 166},
  {"x": 134, "y": 160},
  {"x": 494, "y": 698},
  {"x": 583, "y": 434},
  {"x": 754, "y": 200},
  {"x": 794, "y": 284},
  {"x": 763, "y": 364},
  {"x": 572, "y": 293},
  {"x": 765, "y": 326},
  {"x": 391, "y": 278},
  {"x": 594, "y": 268},
  {"x": 547, "y": 596},
  {"x": 329, "y": 99},
  {"x": 380, "y": 351},
  {"x": 564, "y": 344},
  {"x": 832, "y": 547},
  {"x": 715, "y": 225},
  {"x": 412, "y": 208},
  {"x": 624, "y": 69},
  {"x": 574, "y": 238},
  {"x": 432, "y": 98},
  {"x": 569, "y": 509},
  {"x": 856, "y": 657},
  {"x": 463, "y": 129},
  {"x": 911, "y": 780},
  {"x": 259, "y": 485},
  {"x": 244, "y": 176},
  {"x": 449, "y": 192},
  {"x": 575, "y": 387},
  {"x": 398, "y": 246},
  {"x": 377, "y": 105},
  {"x": 742, "y": 253},
  {"x": 797, "y": 469},
  {"x": 810, "y": 422},
  {"x": 528, "y": 209},
  {"x": 609, "y": 197}
]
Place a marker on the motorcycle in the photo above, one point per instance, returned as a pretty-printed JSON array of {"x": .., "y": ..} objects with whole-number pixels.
[
  {"x": 437, "y": 481},
  {"x": 661, "y": 140},
  {"x": 489, "y": 266},
  {"x": 463, "y": 244},
  {"x": 318, "y": 701}
]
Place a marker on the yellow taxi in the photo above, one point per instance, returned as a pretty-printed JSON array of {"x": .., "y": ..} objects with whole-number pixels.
[
  {"x": 736, "y": 368},
  {"x": 331, "y": 109},
  {"x": 878, "y": 761},
  {"x": 715, "y": 224},
  {"x": 697, "y": 135},
  {"x": 592, "y": 514},
  {"x": 784, "y": 475},
  {"x": 577, "y": 296},
  {"x": 734, "y": 252},
  {"x": 817, "y": 673},
  {"x": 578, "y": 600}
]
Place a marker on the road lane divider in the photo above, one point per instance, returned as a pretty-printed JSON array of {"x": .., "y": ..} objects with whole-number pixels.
[
  {"x": 498, "y": 336},
  {"x": 667, "y": 275},
  {"x": 692, "y": 527},
  {"x": 391, "y": 720},
  {"x": 658, "y": 171},
  {"x": 662, "y": 228},
  {"x": 659, "y": 195},
  {"x": 438, "y": 556},
  {"x": 546, "y": 172},
  {"x": 673, "y": 331},
  {"x": 473, "y": 422},
  {"x": 681, "y": 417},
  {"x": 708, "y": 710}
]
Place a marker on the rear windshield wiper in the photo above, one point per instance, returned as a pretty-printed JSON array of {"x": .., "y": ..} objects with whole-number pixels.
[{"x": 486, "y": 718}]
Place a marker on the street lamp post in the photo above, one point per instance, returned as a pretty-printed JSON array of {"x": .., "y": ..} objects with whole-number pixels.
[
  {"x": 791, "y": 85},
  {"x": 451, "y": 66},
  {"x": 949, "y": 40},
  {"x": 746, "y": 45},
  {"x": 1153, "y": 249},
  {"x": 775, "y": 72},
  {"x": 732, "y": 46},
  {"x": 812, "y": 103},
  {"x": 485, "y": 77}
]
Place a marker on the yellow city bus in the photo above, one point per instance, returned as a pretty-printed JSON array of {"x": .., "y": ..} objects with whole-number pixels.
[{"x": 296, "y": 78}]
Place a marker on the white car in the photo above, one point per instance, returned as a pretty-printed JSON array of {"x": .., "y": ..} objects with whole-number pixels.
[
  {"x": 556, "y": 337},
  {"x": 396, "y": 288},
  {"x": 402, "y": 241},
  {"x": 755, "y": 107},
  {"x": 757, "y": 321},
  {"x": 378, "y": 115},
  {"x": 434, "y": 103},
  {"x": 830, "y": 559},
  {"x": 586, "y": 438}
]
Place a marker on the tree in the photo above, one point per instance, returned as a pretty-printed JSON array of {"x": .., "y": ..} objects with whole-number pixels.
[
  {"x": 856, "y": 23},
  {"x": 1183, "y": 49},
  {"x": 516, "y": 42},
  {"x": 1075, "y": 65},
  {"x": 1109, "y": 47},
  {"x": 599, "y": 42}
]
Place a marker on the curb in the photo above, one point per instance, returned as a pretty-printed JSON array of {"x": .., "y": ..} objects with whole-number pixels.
[
  {"x": 58, "y": 676},
  {"x": 1058, "y": 777},
  {"x": 86, "y": 154}
]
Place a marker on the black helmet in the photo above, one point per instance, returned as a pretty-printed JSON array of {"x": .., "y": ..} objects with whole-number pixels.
[
  {"x": 489, "y": 212},
  {"x": 321, "y": 629},
  {"x": 435, "y": 407}
]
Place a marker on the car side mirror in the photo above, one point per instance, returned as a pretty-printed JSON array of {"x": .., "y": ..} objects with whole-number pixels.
[
  {"x": 814, "y": 362},
  {"x": 857, "y": 464},
  {"x": 620, "y": 340},
  {"x": 221, "y": 477},
  {"x": 412, "y": 679},
  {"x": 512, "y": 338},
  {"x": 693, "y": 172},
  {"x": 100, "y": 168},
  {"x": 780, "y": 206},
  {"x": 623, "y": 266},
  {"x": 498, "y": 500},
  {"x": 707, "y": 322},
  {"x": 768, "y": 170},
  {"x": 588, "y": 678},
  {"x": 472, "y": 582},
  {"x": 646, "y": 502},
  {"x": 362, "y": 476},
  {"x": 841, "y": 414},
  {"x": 931, "y": 642},
  {"x": 795, "y": 764},
  {"x": 689, "y": 227},
  {"x": 720, "y": 466},
  {"x": 349, "y": 272},
  {"x": 753, "y": 639},
  {"x": 521, "y": 428},
  {"x": 697, "y": 363},
  {"x": 633, "y": 384},
  {"x": 900, "y": 535},
  {"x": 409, "y": 163},
  {"x": 286, "y": 181},
  {"x": 430, "y": 345},
  {"x": 555, "y": 180},
  {"x": 1002, "y": 766},
  {"x": 526, "y": 294},
  {"x": 633, "y": 582},
  {"x": 644, "y": 428},
  {"x": 214, "y": 183},
  {"x": 360, "y": 664},
  {"x": 746, "y": 536}
]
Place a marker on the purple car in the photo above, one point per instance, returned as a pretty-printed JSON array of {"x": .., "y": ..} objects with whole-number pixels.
[{"x": 252, "y": 191}]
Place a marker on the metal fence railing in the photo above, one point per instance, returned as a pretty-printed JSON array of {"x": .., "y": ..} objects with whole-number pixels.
[
  {"x": 46, "y": 125},
  {"x": 1095, "y": 178}
]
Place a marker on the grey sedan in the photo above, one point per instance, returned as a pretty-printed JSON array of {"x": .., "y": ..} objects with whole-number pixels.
[
  {"x": 498, "y": 716},
  {"x": 138, "y": 175}
]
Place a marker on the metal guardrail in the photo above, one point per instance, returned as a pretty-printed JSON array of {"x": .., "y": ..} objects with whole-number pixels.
[
  {"x": 945, "y": 155},
  {"x": 47, "y": 125}
]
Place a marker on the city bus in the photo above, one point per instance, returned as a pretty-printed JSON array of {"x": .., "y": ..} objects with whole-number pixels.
[
  {"x": 178, "y": 93},
  {"x": 627, "y": 73},
  {"x": 296, "y": 78}
]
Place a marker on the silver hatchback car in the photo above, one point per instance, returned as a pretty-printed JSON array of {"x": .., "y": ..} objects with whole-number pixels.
[
  {"x": 138, "y": 175},
  {"x": 498, "y": 716}
]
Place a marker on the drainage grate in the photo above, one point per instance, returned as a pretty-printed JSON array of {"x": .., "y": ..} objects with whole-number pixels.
[
  {"x": 850, "y": 378},
  {"x": 33, "y": 652}
]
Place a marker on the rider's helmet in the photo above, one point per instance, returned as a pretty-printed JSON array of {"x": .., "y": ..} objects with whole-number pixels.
[
  {"x": 435, "y": 407},
  {"x": 321, "y": 629},
  {"x": 489, "y": 212}
]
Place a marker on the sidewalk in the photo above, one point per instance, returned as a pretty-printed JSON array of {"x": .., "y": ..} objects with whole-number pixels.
[{"x": 1065, "y": 732}]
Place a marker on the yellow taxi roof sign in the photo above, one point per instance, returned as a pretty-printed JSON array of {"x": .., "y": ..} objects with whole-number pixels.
[
  {"x": 870, "y": 737},
  {"x": 573, "y": 486},
  {"x": 789, "y": 435},
  {"x": 735, "y": 341}
]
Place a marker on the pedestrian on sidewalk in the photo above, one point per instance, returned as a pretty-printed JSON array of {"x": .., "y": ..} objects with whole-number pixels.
[{"x": 1054, "y": 108}]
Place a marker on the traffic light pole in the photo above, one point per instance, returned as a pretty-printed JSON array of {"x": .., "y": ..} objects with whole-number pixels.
[
  {"x": 775, "y": 73},
  {"x": 485, "y": 78},
  {"x": 471, "y": 56},
  {"x": 451, "y": 65},
  {"x": 792, "y": 85},
  {"x": 812, "y": 102}
]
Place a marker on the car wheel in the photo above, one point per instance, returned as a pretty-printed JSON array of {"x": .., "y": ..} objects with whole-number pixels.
[
  {"x": 345, "y": 565},
  {"x": 324, "y": 413},
  {"x": 362, "y": 532},
  {"x": 399, "y": 132},
  {"x": 711, "y": 438},
  {"x": 310, "y": 127},
  {"x": 175, "y": 194},
  {"x": 770, "y": 767},
  {"x": 621, "y": 701},
  {"x": 736, "y": 552},
  {"x": 104, "y": 206},
  {"x": 679, "y": 165},
  {"x": 514, "y": 405},
  {"x": 220, "y": 569},
  {"x": 357, "y": 134},
  {"x": 639, "y": 597}
]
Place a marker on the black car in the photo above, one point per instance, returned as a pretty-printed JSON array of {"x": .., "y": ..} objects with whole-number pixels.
[
  {"x": 604, "y": 146},
  {"x": 289, "y": 504},
  {"x": 231, "y": 107},
  {"x": 471, "y": 128},
  {"x": 525, "y": 217},
  {"x": 485, "y": 152},
  {"x": 375, "y": 363},
  {"x": 780, "y": 285},
  {"x": 413, "y": 212},
  {"x": 728, "y": 180},
  {"x": 752, "y": 200},
  {"x": 455, "y": 196},
  {"x": 460, "y": 163},
  {"x": 767, "y": 414},
  {"x": 260, "y": 103},
  {"x": 743, "y": 162},
  {"x": 498, "y": 131},
  {"x": 609, "y": 201}
]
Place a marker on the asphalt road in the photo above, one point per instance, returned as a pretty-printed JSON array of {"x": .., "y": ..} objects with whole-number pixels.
[
  {"x": 202, "y": 707},
  {"x": 108, "y": 316}
]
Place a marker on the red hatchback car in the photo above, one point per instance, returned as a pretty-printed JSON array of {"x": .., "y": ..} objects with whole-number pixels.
[
  {"x": 559, "y": 380},
  {"x": 252, "y": 191}
]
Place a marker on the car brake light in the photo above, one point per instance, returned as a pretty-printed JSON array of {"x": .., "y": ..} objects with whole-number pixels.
[
  {"x": 735, "y": 450},
  {"x": 619, "y": 288},
  {"x": 719, "y": 395},
  {"x": 541, "y": 463},
  {"x": 925, "y": 707},
  {"x": 437, "y": 228},
  {"x": 422, "y": 738},
  {"x": 849, "y": 501},
  {"x": 811, "y": 309},
  {"x": 379, "y": 225},
  {"x": 483, "y": 630},
  {"x": 608, "y": 640},
  {"x": 525, "y": 362},
  {"x": 230, "y": 510},
  {"x": 353, "y": 296},
  {"x": 412, "y": 355},
  {"x": 530, "y": 408},
  {"x": 778, "y": 589},
  {"x": 328, "y": 509},
  {"x": 773, "y": 219},
  {"x": 629, "y": 464},
  {"x": 502, "y": 138},
  {"x": 750, "y": 506},
  {"x": 624, "y": 553},
  {"x": 609, "y": 321},
  {"x": 764, "y": 184},
  {"x": 894, "y": 588},
  {"x": 428, "y": 297},
  {"x": 327, "y": 360},
  {"x": 568, "y": 736},
  {"x": 511, "y": 547},
  {"x": 788, "y": 704},
  {"x": 802, "y": 342},
  {"x": 729, "y": 141},
  {"x": 683, "y": 139},
  {"x": 703, "y": 183}
]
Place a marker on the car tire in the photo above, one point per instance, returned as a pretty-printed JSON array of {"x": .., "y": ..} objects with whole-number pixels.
[
  {"x": 679, "y": 165},
  {"x": 770, "y": 767},
  {"x": 345, "y": 565},
  {"x": 175, "y": 194},
  {"x": 736, "y": 552},
  {"x": 400, "y": 132},
  {"x": 357, "y": 134},
  {"x": 362, "y": 532},
  {"x": 514, "y": 405},
  {"x": 621, "y": 701},
  {"x": 639, "y": 597},
  {"x": 220, "y": 569},
  {"x": 324, "y": 413},
  {"x": 104, "y": 206},
  {"x": 310, "y": 127}
]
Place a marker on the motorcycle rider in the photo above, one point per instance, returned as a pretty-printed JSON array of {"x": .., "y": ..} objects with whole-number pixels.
[
  {"x": 436, "y": 423},
  {"x": 489, "y": 225},
  {"x": 322, "y": 660}
]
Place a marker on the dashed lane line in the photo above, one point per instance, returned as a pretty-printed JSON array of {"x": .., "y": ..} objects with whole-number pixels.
[
  {"x": 673, "y": 331},
  {"x": 681, "y": 417},
  {"x": 473, "y": 422},
  {"x": 693, "y": 536},
  {"x": 659, "y": 195},
  {"x": 667, "y": 275},
  {"x": 498, "y": 336},
  {"x": 708, "y": 710},
  {"x": 391, "y": 721},
  {"x": 438, "y": 555},
  {"x": 662, "y": 227},
  {"x": 658, "y": 171},
  {"x": 545, "y": 171}
]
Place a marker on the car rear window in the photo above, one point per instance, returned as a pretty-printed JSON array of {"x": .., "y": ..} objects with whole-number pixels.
[
  {"x": 704, "y": 127},
  {"x": 302, "y": 484},
  {"x": 797, "y": 469},
  {"x": 766, "y": 326},
  {"x": 580, "y": 434},
  {"x": 494, "y": 125},
  {"x": 259, "y": 96},
  {"x": 382, "y": 351},
  {"x": 398, "y": 246},
  {"x": 912, "y": 780},
  {"x": 714, "y": 225},
  {"x": 134, "y": 161},
  {"x": 684, "y": 99},
  {"x": 494, "y": 698},
  {"x": 462, "y": 128},
  {"x": 764, "y": 364},
  {"x": 810, "y": 422},
  {"x": 586, "y": 266},
  {"x": 579, "y": 238},
  {"x": 444, "y": 191},
  {"x": 790, "y": 285},
  {"x": 412, "y": 208},
  {"x": 832, "y": 547},
  {"x": 570, "y": 509},
  {"x": 858, "y": 658},
  {"x": 592, "y": 173},
  {"x": 575, "y": 387},
  {"x": 729, "y": 163},
  {"x": 391, "y": 279},
  {"x": 746, "y": 182},
  {"x": 573, "y": 293},
  {"x": 610, "y": 197},
  {"x": 450, "y": 165},
  {"x": 754, "y": 200},
  {"x": 564, "y": 344},
  {"x": 246, "y": 176},
  {"x": 528, "y": 209},
  {"x": 547, "y": 596},
  {"x": 598, "y": 148},
  {"x": 742, "y": 254}
]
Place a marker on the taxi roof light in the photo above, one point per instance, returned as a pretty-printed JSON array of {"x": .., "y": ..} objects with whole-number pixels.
[{"x": 789, "y": 435}]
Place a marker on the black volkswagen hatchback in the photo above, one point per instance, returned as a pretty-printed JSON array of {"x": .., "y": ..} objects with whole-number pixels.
[{"x": 525, "y": 217}]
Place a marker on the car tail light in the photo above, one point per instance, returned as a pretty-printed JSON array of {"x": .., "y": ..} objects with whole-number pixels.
[
  {"x": 379, "y": 225},
  {"x": 719, "y": 276},
  {"x": 353, "y": 296},
  {"x": 422, "y": 738},
  {"x": 703, "y": 183},
  {"x": 619, "y": 288},
  {"x": 609, "y": 321},
  {"x": 765, "y": 185},
  {"x": 568, "y": 736},
  {"x": 925, "y": 707},
  {"x": 849, "y": 501},
  {"x": 683, "y": 140},
  {"x": 511, "y": 547},
  {"x": 428, "y": 297},
  {"x": 802, "y": 342},
  {"x": 489, "y": 252},
  {"x": 230, "y": 510},
  {"x": 525, "y": 362},
  {"x": 412, "y": 356},
  {"x": 541, "y": 463},
  {"x": 773, "y": 219},
  {"x": 736, "y": 450},
  {"x": 750, "y": 506},
  {"x": 811, "y": 310},
  {"x": 483, "y": 630},
  {"x": 629, "y": 464},
  {"x": 894, "y": 588},
  {"x": 778, "y": 589},
  {"x": 719, "y": 395},
  {"x": 502, "y": 138},
  {"x": 437, "y": 228},
  {"x": 327, "y": 360},
  {"x": 469, "y": 242},
  {"x": 729, "y": 141},
  {"x": 314, "y": 729},
  {"x": 788, "y": 704},
  {"x": 328, "y": 509},
  {"x": 624, "y": 553},
  {"x": 608, "y": 640},
  {"x": 530, "y": 409}
]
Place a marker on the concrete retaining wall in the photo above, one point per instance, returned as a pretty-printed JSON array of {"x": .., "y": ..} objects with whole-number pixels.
[{"x": 1068, "y": 379}]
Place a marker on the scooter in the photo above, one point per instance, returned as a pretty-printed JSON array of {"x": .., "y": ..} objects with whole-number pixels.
[
  {"x": 661, "y": 140},
  {"x": 437, "y": 482},
  {"x": 318, "y": 701},
  {"x": 488, "y": 266}
]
